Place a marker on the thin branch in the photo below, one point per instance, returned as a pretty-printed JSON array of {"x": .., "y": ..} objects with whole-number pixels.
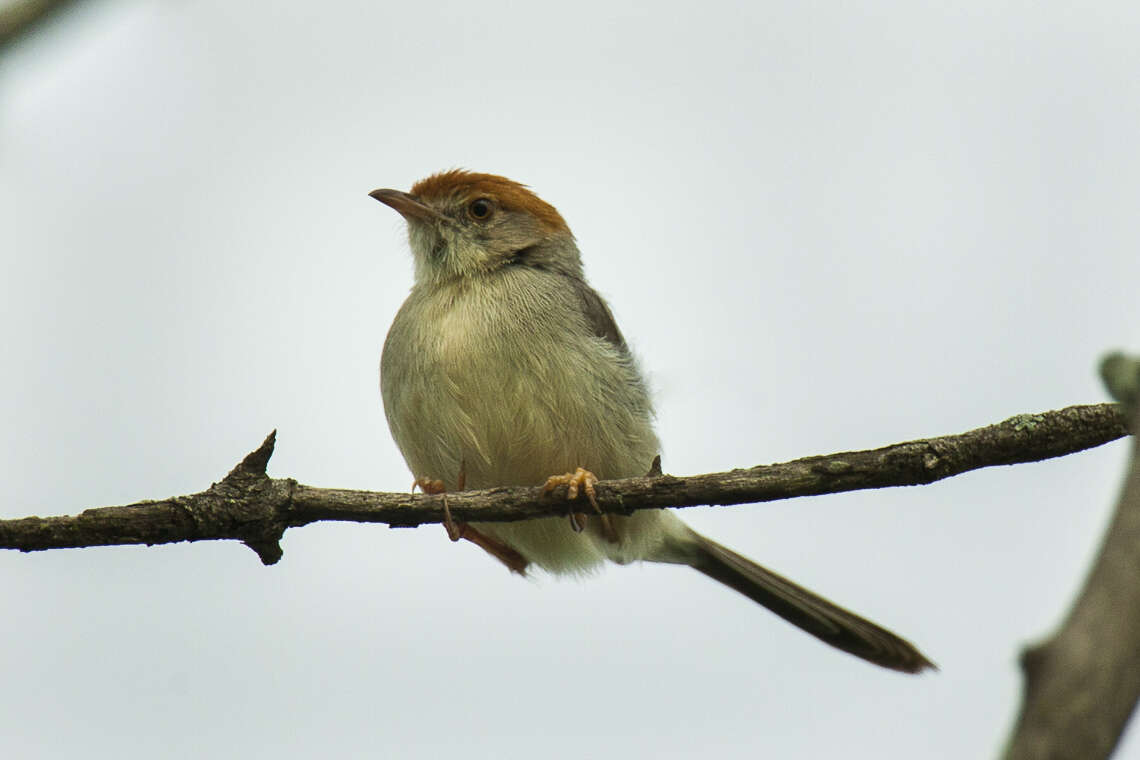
[
  {"x": 23, "y": 17},
  {"x": 251, "y": 507}
]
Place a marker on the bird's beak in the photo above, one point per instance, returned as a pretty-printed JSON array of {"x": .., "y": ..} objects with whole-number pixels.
[{"x": 409, "y": 206}]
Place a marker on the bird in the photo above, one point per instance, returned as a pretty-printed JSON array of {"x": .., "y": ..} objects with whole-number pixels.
[{"x": 504, "y": 367}]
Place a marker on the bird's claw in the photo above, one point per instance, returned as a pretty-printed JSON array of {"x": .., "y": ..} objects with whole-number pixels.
[
  {"x": 436, "y": 487},
  {"x": 429, "y": 486},
  {"x": 582, "y": 480},
  {"x": 514, "y": 561}
]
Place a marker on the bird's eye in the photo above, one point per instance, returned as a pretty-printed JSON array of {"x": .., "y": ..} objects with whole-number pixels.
[{"x": 479, "y": 209}]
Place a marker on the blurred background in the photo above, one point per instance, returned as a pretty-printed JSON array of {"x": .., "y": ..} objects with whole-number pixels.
[{"x": 822, "y": 227}]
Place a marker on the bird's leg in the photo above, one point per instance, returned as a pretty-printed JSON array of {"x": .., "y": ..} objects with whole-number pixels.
[
  {"x": 429, "y": 486},
  {"x": 582, "y": 479},
  {"x": 514, "y": 561}
]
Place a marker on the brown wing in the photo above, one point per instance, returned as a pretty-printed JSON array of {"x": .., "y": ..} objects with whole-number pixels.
[{"x": 598, "y": 315}]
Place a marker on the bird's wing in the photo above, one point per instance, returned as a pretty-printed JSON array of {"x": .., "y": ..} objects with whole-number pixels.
[{"x": 598, "y": 315}]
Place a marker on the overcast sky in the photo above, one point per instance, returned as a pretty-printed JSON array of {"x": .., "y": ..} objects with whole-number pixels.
[{"x": 821, "y": 226}]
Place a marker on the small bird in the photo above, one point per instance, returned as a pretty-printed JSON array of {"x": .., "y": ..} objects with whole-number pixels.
[{"x": 505, "y": 368}]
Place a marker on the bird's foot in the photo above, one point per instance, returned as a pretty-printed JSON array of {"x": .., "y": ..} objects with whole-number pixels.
[
  {"x": 429, "y": 486},
  {"x": 514, "y": 561},
  {"x": 582, "y": 480},
  {"x": 436, "y": 487}
]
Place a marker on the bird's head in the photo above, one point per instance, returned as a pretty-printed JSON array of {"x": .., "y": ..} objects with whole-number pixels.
[{"x": 463, "y": 224}]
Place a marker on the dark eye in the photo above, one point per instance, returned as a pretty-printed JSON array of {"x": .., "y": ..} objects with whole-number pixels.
[{"x": 479, "y": 209}]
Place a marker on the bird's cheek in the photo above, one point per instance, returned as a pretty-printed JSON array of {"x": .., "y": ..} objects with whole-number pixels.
[
  {"x": 424, "y": 241},
  {"x": 438, "y": 252}
]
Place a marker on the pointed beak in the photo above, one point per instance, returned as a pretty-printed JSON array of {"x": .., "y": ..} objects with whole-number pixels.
[{"x": 409, "y": 206}]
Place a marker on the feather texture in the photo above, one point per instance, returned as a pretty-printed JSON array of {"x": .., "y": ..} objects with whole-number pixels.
[{"x": 505, "y": 367}]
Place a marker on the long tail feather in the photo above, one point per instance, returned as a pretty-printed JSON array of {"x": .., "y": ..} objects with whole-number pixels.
[{"x": 808, "y": 611}]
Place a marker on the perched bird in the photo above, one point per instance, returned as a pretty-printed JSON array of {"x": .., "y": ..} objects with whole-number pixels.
[{"x": 504, "y": 367}]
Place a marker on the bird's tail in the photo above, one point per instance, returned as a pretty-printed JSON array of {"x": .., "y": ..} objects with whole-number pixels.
[{"x": 804, "y": 609}]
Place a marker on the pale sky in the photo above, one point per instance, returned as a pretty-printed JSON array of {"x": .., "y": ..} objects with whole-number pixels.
[{"x": 821, "y": 226}]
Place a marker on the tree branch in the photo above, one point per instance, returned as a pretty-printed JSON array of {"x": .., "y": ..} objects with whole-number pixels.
[
  {"x": 1082, "y": 684},
  {"x": 22, "y": 17},
  {"x": 251, "y": 507}
]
